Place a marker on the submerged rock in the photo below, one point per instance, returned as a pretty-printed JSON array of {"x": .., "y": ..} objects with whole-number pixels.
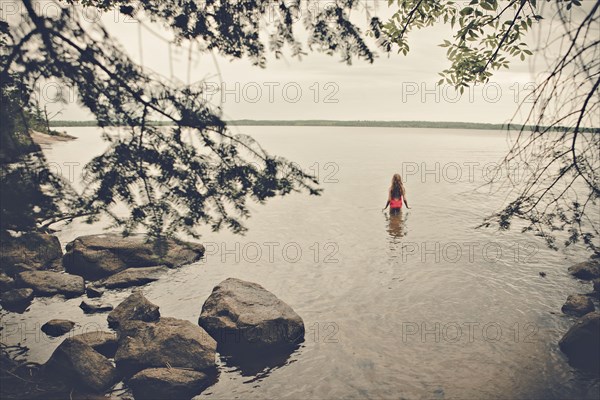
[
  {"x": 93, "y": 292},
  {"x": 30, "y": 251},
  {"x": 99, "y": 256},
  {"x": 168, "y": 383},
  {"x": 57, "y": 327},
  {"x": 586, "y": 270},
  {"x": 578, "y": 304},
  {"x": 78, "y": 364},
  {"x": 6, "y": 282},
  {"x": 93, "y": 308},
  {"x": 16, "y": 299},
  {"x": 134, "y": 277},
  {"x": 47, "y": 283},
  {"x": 240, "y": 313},
  {"x": 104, "y": 343},
  {"x": 167, "y": 342},
  {"x": 134, "y": 308},
  {"x": 581, "y": 343}
]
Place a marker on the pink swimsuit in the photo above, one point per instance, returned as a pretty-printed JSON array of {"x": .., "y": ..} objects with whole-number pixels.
[{"x": 396, "y": 203}]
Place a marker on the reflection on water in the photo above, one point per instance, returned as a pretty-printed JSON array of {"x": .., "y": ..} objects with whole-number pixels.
[
  {"x": 396, "y": 223},
  {"x": 257, "y": 364}
]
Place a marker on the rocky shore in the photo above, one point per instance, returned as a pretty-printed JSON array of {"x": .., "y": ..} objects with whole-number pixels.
[
  {"x": 581, "y": 343},
  {"x": 155, "y": 356}
]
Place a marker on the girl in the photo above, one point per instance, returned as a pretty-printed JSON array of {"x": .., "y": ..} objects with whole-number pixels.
[{"x": 396, "y": 195}]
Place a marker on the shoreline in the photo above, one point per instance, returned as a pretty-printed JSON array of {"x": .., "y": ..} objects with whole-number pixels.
[{"x": 349, "y": 123}]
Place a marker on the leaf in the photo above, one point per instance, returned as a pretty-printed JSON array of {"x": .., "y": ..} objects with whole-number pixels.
[
  {"x": 466, "y": 11},
  {"x": 487, "y": 6}
]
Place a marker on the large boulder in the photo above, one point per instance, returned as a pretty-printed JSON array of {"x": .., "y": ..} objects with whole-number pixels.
[
  {"x": 240, "y": 313},
  {"x": 581, "y": 343},
  {"x": 16, "y": 299},
  {"x": 30, "y": 251},
  {"x": 57, "y": 327},
  {"x": 48, "y": 283},
  {"x": 104, "y": 343},
  {"x": 98, "y": 256},
  {"x": 168, "y": 383},
  {"x": 586, "y": 270},
  {"x": 136, "y": 307},
  {"x": 76, "y": 363},
  {"x": 578, "y": 304},
  {"x": 133, "y": 277},
  {"x": 169, "y": 342}
]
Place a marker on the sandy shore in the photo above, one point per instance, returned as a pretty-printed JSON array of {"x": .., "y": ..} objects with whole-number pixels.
[{"x": 45, "y": 139}]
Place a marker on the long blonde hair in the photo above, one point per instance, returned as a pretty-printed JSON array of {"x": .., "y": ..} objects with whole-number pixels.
[{"x": 397, "y": 187}]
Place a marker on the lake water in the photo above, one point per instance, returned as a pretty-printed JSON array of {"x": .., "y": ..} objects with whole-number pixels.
[{"x": 422, "y": 306}]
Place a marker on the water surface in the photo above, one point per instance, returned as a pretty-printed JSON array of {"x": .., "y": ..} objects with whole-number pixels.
[{"x": 417, "y": 306}]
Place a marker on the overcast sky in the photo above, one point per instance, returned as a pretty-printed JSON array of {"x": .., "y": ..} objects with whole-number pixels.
[{"x": 321, "y": 87}]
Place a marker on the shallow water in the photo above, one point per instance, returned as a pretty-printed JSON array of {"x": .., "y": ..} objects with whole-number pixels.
[{"x": 417, "y": 306}]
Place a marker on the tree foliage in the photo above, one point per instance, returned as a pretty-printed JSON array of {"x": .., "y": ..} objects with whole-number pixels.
[{"x": 195, "y": 172}]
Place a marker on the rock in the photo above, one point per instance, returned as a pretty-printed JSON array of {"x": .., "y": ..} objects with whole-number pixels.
[
  {"x": 77, "y": 363},
  {"x": 581, "y": 343},
  {"x": 240, "y": 313},
  {"x": 586, "y": 270},
  {"x": 6, "y": 282},
  {"x": 17, "y": 299},
  {"x": 134, "y": 308},
  {"x": 47, "y": 283},
  {"x": 30, "y": 251},
  {"x": 92, "y": 308},
  {"x": 167, "y": 342},
  {"x": 93, "y": 291},
  {"x": 57, "y": 327},
  {"x": 577, "y": 304},
  {"x": 56, "y": 265},
  {"x": 98, "y": 256},
  {"x": 168, "y": 383},
  {"x": 134, "y": 277},
  {"x": 596, "y": 285},
  {"x": 104, "y": 343}
]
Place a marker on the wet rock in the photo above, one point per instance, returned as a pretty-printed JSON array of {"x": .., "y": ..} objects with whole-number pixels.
[
  {"x": 17, "y": 299},
  {"x": 581, "y": 343},
  {"x": 104, "y": 343},
  {"x": 6, "y": 282},
  {"x": 78, "y": 364},
  {"x": 30, "y": 251},
  {"x": 89, "y": 307},
  {"x": 57, "y": 327},
  {"x": 597, "y": 285},
  {"x": 134, "y": 277},
  {"x": 168, "y": 383},
  {"x": 167, "y": 342},
  {"x": 93, "y": 292},
  {"x": 99, "y": 256},
  {"x": 47, "y": 283},
  {"x": 586, "y": 270},
  {"x": 578, "y": 304},
  {"x": 244, "y": 314},
  {"x": 134, "y": 308}
]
